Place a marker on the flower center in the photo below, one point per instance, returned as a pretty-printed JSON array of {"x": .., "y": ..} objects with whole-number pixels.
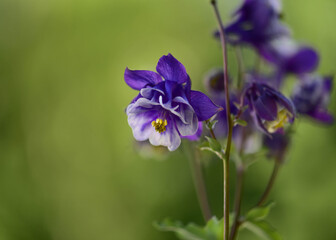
[
  {"x": 160, "y": 125},
  {"x": 282, "y": 119}
]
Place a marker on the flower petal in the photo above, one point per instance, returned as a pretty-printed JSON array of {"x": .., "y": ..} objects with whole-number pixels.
[
  {"x": 141, "y": 124},
  {"x": 138, "y": 79},
  {"x": 328, "y": 84},
  {"x": 305, "y": 60},
  {"x": 149, "y": 92},
  {"x": 140, "y": 116},
  {"x": 169, "y": 138},
  {"x": 197, "y": 135},
  {"x": 203, "y": 105},
  {"x": 322, "y": 116},
  {"x": 266, "y": 107},
  {"x": 171, "y": 69},
  {"x": 287, "y": 103},
  {"x": 187, "y": 123}
]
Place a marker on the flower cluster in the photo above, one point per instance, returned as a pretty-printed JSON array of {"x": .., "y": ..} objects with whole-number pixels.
[
  {"x": 250, "y": 110},
  {"x": 166, "y": 109},
  {"x": 257, "y": 24}
]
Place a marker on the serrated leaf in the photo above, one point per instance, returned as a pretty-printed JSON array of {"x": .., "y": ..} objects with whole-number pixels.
[
  {"x": 259, "y": 213},
  {"x": 214, "y": 144},
  {"x": 262, "y": 229}
]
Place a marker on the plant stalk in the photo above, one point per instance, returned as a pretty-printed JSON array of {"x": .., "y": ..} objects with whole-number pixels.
[
  {"x": 229, "y": 121},
  {"x": 270, "y": 183},
  {"x": 237, "y": 201},
  {"x": 200, "y": 185}
]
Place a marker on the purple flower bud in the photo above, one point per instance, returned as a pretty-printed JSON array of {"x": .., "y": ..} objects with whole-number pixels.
[
  {"x": 269, "y": 109},
  {"x": 166, "y": 110},
  {"x": 311, "y": 97},
  {"x": 214, "y": 82}
]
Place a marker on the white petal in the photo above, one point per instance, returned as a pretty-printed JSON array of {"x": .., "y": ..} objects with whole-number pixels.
[
  {"x": 170, "y": 138},
  {"x": 149, "y": 92},
  {"x": 141, "y": 126}
]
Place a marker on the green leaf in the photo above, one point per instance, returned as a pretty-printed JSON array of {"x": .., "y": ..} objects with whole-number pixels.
[
  {"x": 211, "y": 124},
  {"x": 213, "y": 230},
  {"x": 252, "y": 158},
  {"x": 259, "y": 213},
  {"x": 240, "y": 122},
  {"x": 262, "y": 229},
  {"x": 214, "y": 144}
]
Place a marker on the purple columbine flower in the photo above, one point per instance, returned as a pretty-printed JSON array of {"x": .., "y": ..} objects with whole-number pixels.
[
  {"x": 311, "y": 97},
  {"x": 167, "y": 108},
  {"x": 269, "y": 109},
  {"x": 289, "y": 57},
  {"x": 257, "y": 22}
]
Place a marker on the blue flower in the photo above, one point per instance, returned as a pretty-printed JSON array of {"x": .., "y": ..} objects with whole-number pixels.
[
  {"x": 311, "y": 97},
  {"x": 256, "y": 23},
  {"x": 289, "y": 57},
  {"x": 270, "y": 110},
  {"x": 166, "y": 108}
]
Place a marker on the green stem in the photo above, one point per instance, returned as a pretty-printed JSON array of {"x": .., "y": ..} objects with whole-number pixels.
[
  {"x": 229, "y": 121},
  {"x": 241, "y": 68},
  {"x": 240, "y": 168},
  {"x": 237, "y": 201},
  {"x": 200, "y": 187},
  {"x": 270, "y": 183}
]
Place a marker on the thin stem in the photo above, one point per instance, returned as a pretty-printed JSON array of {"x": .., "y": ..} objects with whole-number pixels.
[
  {"x": 211, "y": 131},
  {"x": 200, "y": 185},
  {"x": 226, "y": 210},
  {"x": 229, "y": 121},
  {"x": 237, "y": 201},
  {"x": 241, "y": 67},
  {"x": 213, "y": 134},
  {"x": 240, "y": 168},
  {"x": 270, "y": 183}
]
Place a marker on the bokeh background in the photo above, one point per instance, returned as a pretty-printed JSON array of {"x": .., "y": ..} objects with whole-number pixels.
[{"x": 68, "y": 166}]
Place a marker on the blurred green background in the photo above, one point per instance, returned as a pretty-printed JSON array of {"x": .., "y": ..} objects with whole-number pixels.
[{"x": 68, "y": 167}]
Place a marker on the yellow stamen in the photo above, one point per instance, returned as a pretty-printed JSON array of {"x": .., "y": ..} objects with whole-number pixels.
[
  {"x": 282, "y": 119},
  {"x": 160, "y": 125}
]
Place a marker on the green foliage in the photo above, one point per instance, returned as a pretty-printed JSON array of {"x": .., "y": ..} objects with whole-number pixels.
[
  {"x": 259, "y": 213},
  {"x": 256, "y": 223},
  {"x": 262, "y": 229},
  {"x": 211, "y": 124},
  {"x": 240, "y": 122},
  {"x": 212, "y": 145},
  {"x": 213, "y": 230}
]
